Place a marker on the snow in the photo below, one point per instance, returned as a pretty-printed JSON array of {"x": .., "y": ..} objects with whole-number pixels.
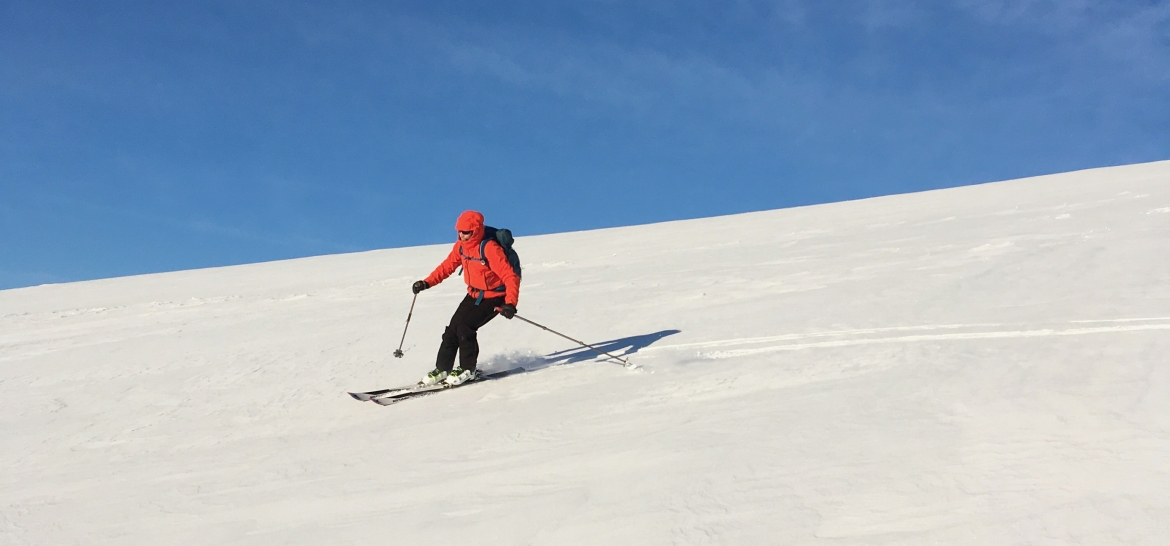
[{"x": 978, "y": 365}]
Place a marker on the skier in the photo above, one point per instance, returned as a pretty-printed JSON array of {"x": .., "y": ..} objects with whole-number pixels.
[{"x": 492, "y": 288}]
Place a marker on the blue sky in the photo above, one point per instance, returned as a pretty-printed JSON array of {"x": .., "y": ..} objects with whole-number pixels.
[{"x": 138, "y": 137}]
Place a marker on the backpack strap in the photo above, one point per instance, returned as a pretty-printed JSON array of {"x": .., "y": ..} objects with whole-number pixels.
[
  {"x": 482, "y": 256},
  {"x": 479, "y": 298}
]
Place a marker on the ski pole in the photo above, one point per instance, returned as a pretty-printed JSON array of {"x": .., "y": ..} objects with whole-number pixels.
[
  {"x": 547, "y": 329},
  {"x": 398, "y": 353}
]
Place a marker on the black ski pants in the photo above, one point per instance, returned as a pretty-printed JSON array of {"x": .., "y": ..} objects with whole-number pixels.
[{"x": 460, "y": 334}]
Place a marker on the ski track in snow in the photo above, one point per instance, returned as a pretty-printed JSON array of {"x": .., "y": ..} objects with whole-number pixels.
[{"x": 993, "y": 334}]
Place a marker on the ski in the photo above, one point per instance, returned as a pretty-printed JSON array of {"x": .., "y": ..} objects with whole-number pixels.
[
  {"x": 392, "y": 397},
  {"x": 369, "y": 395}
]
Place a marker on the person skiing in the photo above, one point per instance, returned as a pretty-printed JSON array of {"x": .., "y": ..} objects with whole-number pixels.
[{"x": 492, "y": 288}]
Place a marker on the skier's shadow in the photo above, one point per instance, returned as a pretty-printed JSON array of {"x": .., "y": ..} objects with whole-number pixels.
[{"x": 618, "y": 347}]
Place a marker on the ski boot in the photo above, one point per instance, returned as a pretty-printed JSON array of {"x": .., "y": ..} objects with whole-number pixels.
[
  {"x": 435, "y": 377},
  {"x": 459, "y": 376}
]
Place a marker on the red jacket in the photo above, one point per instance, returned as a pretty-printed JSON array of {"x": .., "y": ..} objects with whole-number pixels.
[{"x": 486, "y": 280}]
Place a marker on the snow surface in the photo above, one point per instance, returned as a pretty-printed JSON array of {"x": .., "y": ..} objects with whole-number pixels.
[{"x": 980, "y": 365}]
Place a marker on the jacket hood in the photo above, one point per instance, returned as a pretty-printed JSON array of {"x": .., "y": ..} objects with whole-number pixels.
[{"x": 471, "y": 221}]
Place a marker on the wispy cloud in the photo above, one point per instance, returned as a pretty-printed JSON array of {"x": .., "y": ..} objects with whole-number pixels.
[
  {"x": 879, "y": 15},
  {"x": 1134, "y": 33},
  {"x": 639, "y": 76}
]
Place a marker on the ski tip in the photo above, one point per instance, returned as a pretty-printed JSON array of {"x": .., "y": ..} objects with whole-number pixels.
[{"x": 361, "y": 397}]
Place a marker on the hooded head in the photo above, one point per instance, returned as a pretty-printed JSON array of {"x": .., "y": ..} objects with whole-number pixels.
[{"x": 471, "y": 221}]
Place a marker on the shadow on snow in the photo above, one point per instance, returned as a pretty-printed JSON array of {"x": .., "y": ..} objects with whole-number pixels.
[{"x": 623, "y": 347}]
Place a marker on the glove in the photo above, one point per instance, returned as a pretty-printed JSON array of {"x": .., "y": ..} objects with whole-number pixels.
[
  {"x": 419, "y": 286},
  {"x": 508, "y": 310}
]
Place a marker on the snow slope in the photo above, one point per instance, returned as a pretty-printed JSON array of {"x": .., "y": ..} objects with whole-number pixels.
[{"x": 980, "y": 365}]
